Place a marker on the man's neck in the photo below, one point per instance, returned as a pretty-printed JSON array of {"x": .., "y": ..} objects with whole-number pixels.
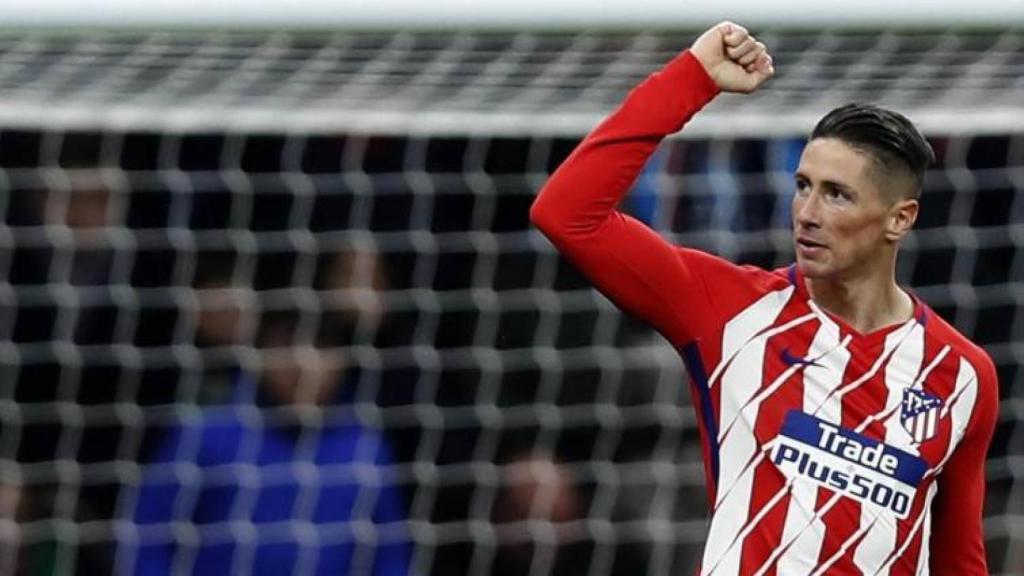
[{"x": 867, "y": 304}]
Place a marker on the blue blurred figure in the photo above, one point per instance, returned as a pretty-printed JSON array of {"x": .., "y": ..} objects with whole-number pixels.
[{"x": 282, "y": 480}]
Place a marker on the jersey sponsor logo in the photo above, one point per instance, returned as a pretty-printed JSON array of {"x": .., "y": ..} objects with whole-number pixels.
[
  {"x": 919, "y": 414},
  {"x": 790, "y": 360},
  {"x": 871, "y": 472}
]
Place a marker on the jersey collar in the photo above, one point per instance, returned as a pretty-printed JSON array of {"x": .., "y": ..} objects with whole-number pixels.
[{"x": 921, "y": 312}]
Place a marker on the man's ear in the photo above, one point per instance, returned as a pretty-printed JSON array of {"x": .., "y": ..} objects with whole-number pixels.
[{"x": 902, "y": 216}]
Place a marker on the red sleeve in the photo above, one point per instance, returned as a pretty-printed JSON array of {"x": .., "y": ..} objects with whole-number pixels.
[
  {"x": 637, "y": 269},
  {"x": 958, "y": 542}
]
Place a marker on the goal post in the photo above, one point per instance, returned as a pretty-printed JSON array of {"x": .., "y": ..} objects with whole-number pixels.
[{"x": 526, "y": 14}]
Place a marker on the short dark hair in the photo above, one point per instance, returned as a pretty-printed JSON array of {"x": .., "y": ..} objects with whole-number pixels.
[{"x": 887, "y": 136}]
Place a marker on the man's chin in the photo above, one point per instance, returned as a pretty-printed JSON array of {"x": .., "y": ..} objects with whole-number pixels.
[{"x": 813, "y": 270}]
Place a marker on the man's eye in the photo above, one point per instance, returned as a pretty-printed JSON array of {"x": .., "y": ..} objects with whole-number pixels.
[{"x": 837, "y": 194}]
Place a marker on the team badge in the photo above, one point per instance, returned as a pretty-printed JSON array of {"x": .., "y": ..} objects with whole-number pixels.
[{"x": 919, "y": 414}]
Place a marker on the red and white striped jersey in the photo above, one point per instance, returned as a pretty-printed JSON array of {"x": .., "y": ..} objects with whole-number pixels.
[{"x": 826, "y": 451}]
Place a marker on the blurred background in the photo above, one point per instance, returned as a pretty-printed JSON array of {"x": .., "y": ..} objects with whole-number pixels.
[{"x": 270, "y": 301}]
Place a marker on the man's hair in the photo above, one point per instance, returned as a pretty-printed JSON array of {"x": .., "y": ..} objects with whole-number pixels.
[{"x": 887, "y": 136}]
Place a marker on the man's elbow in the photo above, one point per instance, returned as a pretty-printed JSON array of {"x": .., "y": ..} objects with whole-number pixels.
[{"x": 543, "y": 216}]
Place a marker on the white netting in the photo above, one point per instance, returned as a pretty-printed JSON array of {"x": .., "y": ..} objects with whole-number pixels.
[{"x": 155, "y": 272}]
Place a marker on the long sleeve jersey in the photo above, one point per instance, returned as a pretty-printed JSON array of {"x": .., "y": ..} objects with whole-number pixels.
[{"x": 826, "y": 450}]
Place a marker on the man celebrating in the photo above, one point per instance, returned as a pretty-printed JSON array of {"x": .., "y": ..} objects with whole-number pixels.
[{"x": 844, "y": 424}]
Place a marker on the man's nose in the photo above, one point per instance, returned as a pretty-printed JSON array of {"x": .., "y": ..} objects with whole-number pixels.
[{"x": 807, "y": 210}]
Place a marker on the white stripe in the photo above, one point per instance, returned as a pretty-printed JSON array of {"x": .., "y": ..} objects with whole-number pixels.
[
  {"x": 737, "y": 543},
  {"x": 900, "y": 373},
  {"x": 966, "y": 376},
  {"x": 760, "y": 395},
  {"x": 804, "y": 532},
  {"x": 739, "y": 382},
  {"x": 925, "y": 556},
  {"x": 739, "y": 331},
  {"x": 743, "y": 349},
  {"x": 960, "y": 406},
  {"x": 824, "y": 567},
  {"x": 919, "y": 382},
  {"x": 923, "y": 519}
]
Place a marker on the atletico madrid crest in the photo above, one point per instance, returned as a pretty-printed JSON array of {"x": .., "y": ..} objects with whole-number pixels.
[{"x": 919, "y": 414}]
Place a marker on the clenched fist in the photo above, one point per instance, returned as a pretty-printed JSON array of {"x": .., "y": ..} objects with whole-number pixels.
[{"x": 733, "y": 58}]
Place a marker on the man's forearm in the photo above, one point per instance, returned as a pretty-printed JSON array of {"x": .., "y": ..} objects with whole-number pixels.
[{"x": 588, "y": 186}]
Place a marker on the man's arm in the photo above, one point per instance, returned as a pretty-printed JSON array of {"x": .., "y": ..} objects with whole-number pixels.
[
  {"x": 635, "y": 267},
  {"x": 957, "y": 546}
]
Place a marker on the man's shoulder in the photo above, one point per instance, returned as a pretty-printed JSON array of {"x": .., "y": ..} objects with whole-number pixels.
[
  {"x": 945, "y": 333},
  {"x": 715, "y": 269},
  {"x": 731, "y": 289},
  {"x": 975, "y": 372}
]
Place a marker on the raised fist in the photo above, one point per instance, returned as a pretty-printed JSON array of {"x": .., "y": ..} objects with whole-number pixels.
[{"x": 733, "y": 58}]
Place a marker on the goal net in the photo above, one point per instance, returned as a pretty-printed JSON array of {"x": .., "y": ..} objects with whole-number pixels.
[{"x": 202, "y": 232}]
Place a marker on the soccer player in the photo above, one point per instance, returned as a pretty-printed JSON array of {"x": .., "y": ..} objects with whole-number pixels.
[{"x": 844, "y": 424}]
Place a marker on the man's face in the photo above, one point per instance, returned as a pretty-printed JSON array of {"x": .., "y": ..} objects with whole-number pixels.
[
  {"x": 840, "y": 216},
  {"x": 302, "y": 375}
]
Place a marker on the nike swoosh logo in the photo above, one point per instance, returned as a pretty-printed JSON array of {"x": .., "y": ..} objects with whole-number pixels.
[{"x": 791, "y": 360}]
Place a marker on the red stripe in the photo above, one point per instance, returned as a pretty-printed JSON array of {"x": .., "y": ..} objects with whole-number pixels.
[
  {"x": 841, "y": 522},
  {"x": 906, "y": 563},
  {"x": 870, "y": 397},
  {"x": 941, "y": 383}
]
